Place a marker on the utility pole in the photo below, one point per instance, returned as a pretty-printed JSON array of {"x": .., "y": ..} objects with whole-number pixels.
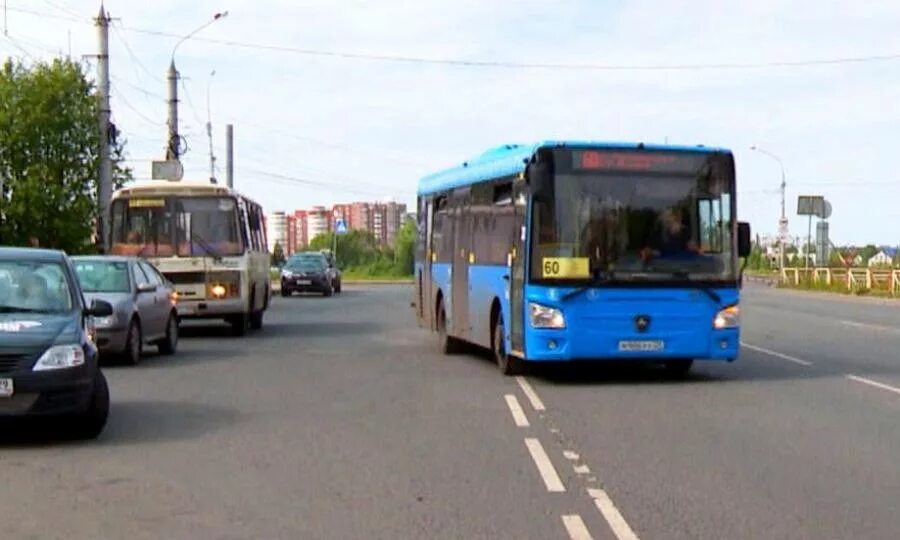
[
  {"x": 229, "y": 156},
  {"x": 212, "y": 155},
  {"x": 173, "y": 148},
  {"x": 105, "y": 183}
]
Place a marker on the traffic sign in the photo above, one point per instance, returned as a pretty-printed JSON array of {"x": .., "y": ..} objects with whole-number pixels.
[
  {"x": 340, "y": 226},
  {"x": 167, "y": 170}
]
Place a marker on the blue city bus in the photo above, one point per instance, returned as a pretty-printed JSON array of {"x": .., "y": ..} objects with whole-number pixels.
[{"x": 562, "y": 251}]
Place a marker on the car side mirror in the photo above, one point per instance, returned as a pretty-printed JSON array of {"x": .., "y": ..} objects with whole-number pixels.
[
  {"x": 99, "y": 308},
  {"x": 743, "y": 239},
  {"x": 146, "y": 288}
]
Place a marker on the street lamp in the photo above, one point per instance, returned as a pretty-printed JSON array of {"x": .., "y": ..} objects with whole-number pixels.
[
  {"x": 783, "y": 222},
  {"x": 173, "y": 148}
]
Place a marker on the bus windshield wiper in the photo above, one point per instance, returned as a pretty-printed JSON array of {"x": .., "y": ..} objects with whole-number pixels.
[
  {"x": 205, "y": 245},
  {"x": 599, "y": 278},
  {"x": 681, "y": 274}
]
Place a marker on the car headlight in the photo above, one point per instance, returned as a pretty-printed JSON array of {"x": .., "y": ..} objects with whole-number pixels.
[
  {"x": 287, "y": 274},
  {"x": 546, "y": 317},
  {"x": 104, "y": 322},
  {"x": 60, "y": 357},
  {"x": 729, "y": 317}
]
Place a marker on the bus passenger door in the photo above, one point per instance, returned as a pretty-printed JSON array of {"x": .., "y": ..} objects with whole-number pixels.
[
  {"x": 426, "y": 289},
  {"x": 462, "y": 247},
  {"x": 516, "y": 264}
]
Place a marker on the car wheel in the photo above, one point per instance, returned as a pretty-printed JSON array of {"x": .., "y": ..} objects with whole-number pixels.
[
  {"x": 134, "y": 344},
  {"x": 285, "y": 292},
  {"x": 337, "y": 288},
  {"x": 90, "y": 424},
  {"x": 169, "y": 344},
  {"x": 328, "y": 290}
]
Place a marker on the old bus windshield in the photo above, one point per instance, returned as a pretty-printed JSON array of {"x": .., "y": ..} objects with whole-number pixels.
[
  {"x": 634, "y": 225},
  {"x": 183, "y": 226}
]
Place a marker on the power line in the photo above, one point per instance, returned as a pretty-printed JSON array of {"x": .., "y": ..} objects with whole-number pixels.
[
  {"x": 133, "y": 56},
  {"x": 527, "y": 65},
  {"x": 49, "y": 15},
  {"x": 134, "y": 109},
  {"x": 887, "y": 57},
  {"x": 305, "y": 181}
]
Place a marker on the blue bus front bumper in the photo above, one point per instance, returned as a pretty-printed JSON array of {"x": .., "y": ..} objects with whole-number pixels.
[
  {"x": 565, "y": 345},
  {"x": 601, "y": 325}
]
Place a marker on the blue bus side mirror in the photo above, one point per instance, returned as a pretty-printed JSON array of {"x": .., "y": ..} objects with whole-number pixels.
[{"x": 743, "y": 239}]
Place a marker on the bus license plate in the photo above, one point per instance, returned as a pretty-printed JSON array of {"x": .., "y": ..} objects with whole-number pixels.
[
  {"x": 6, "y": 388},
  {"x": 641, "y": 345}
]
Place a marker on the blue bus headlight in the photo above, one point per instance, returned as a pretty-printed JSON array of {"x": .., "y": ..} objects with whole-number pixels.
[
  {"x": 546, "y": 317},
  {"x": 729, "y": 317}
]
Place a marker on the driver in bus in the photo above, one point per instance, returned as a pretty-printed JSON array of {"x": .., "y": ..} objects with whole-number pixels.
[{"x": 673, "y": 238}]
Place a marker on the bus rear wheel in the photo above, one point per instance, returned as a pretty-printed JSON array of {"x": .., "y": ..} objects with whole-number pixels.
[
  {"x": 446, "y": 343},
  {"x": 509, "y": 365}
]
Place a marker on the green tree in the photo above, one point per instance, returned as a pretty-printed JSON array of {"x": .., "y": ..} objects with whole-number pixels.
[
  {"x": 49, "y": 155},
  {"x": 354, "y": 249},
  {"x": 867, "y": 253},
  {"x": 278, "y": 254},
  {"x": 405, "y": 248}
]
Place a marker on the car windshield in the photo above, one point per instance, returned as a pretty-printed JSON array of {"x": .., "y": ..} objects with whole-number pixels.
[
  {"x": 33, "y": 287},
  {"x": 634, "y": 226},
  {"x": 186, "y": 226},
  {"x": 305, "y": 264},
  {"x": 103, "y": 276}
]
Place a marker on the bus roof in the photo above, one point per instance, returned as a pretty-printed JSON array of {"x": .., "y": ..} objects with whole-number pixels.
[
  {"x": 186, "y": 187},
  {"x": 510, "y": 159}
]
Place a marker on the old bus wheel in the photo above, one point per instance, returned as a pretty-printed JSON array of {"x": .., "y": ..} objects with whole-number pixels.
[{"x": 509, "y": 365}]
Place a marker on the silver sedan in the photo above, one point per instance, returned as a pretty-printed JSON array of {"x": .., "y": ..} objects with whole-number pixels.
[{"x": 144, "y": 305}]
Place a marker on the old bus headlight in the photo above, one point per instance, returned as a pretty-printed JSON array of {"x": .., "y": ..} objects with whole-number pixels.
[
  {"x": 545, "y": 317},
  {"x": 729, "y": 317}
]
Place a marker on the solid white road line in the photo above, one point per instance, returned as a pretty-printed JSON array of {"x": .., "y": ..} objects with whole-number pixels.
[
  {"x": 776, "y": 354},
  {"x": 518, "y": 414},
  {"x": 530, "y": 394},
  {"x": 876, "y": 384},
  {"x": 612, "y": 515},
  {"x": 576, "y": 528},
  {"x": 545, "y": 466}
]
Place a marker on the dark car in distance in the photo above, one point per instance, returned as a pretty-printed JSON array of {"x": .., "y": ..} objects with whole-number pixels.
[
  {"x": 308, "y": 272},
  {"x": 48, "y": 360}
]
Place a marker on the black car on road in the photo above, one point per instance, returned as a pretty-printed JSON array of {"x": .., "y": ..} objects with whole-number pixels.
[
  {"x": 48, "y": 359},
  {"x": 309, "y": 272}
]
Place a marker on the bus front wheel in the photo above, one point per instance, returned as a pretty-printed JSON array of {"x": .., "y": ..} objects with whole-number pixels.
[
  {"x": 678, "y": 368},
  {"x": 509, "y": 365}
]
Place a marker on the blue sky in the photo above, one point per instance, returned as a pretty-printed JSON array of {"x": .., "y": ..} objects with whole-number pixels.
[{"x": 369, "y": 129}]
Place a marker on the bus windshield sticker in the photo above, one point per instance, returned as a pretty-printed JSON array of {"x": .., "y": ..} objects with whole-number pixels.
[
  {"x": 146, "y": 203},
  {"x": 566, "y": 267}
]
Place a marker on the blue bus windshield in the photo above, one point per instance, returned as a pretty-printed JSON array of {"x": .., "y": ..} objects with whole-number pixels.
[{"x": 635, "y": 226}]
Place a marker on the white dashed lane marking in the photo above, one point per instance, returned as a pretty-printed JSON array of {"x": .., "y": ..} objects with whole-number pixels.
[
  {"x": 530, "y": 394},
  {"x": 576, "y": 528},
  {"x": 545, "y": 466},
  {"x": 518, "y": 414}
]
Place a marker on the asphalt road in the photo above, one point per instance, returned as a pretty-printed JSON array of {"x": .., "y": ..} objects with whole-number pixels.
[{"x": 339, "y": 420}]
